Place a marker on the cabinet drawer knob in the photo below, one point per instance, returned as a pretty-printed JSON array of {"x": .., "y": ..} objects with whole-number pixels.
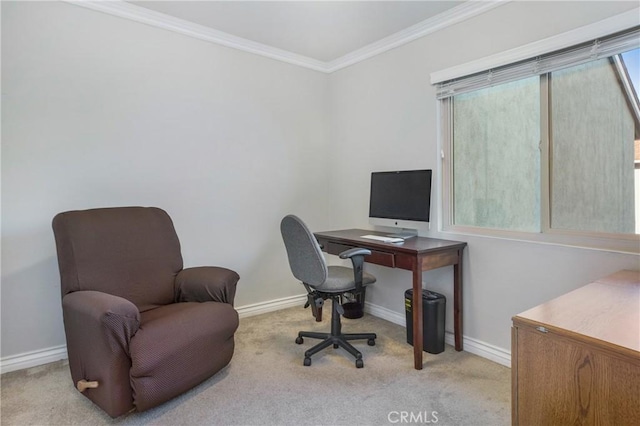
[{"x": 542, "y": 329}]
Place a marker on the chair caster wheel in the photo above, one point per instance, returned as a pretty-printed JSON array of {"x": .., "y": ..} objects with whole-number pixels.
[
  {"x": 371, "y": 342},
  {"x": 359, "y": 363},
  {"x": 299, "y": 340},
  {"x": 307, "y": 362}
]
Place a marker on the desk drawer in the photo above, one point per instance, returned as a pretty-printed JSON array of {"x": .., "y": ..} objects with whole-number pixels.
[{"x": 377, "y": 257}]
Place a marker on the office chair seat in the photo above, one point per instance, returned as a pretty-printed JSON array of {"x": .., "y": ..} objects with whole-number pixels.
[
  {"x": 326, "y": 282},
  {"x": 340, "y": 279}
]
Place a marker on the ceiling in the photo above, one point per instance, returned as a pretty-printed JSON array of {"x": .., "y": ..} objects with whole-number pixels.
[{"x": 321, "y": 30}]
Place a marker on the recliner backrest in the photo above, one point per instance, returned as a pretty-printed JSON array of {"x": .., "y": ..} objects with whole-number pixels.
[
  {"x": 131, "y": 252},
  {"x": 305, "y": 256}
]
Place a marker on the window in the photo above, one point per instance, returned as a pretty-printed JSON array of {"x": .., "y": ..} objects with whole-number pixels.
[
  {"x": 548, "y": 148},
  {"x": 592, "y": 133},
  {"x": 496, "y": 168}
]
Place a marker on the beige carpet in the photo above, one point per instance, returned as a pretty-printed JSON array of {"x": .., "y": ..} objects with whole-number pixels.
[{"x": 266, "y": 384}]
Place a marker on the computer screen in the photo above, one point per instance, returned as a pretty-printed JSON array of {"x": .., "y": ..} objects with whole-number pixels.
[{"x": 401, "y": 198}]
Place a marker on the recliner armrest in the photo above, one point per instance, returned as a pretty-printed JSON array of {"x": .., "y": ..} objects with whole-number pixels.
[
  {"x": 102, "y": 311},
  {"x": 101, "y": 308},
  {"x": 206, "y": 284},
  {"x": 99, "y": 328}
]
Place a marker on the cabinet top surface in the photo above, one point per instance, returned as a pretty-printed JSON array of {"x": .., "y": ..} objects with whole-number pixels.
[{"x": 607, "y": 310}]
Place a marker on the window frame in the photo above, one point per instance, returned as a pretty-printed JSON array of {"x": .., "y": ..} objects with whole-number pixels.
[
  {"x": 624, "y": 243},
  {"x": 620, "y": 243}
]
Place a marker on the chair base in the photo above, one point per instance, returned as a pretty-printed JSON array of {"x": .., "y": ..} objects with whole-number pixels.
[{"x": 336, "y": 338}]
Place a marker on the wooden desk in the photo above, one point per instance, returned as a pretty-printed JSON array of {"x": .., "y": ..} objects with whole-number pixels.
[
  {"x": 576, "y": 359},
  {"x": 416, "y": 254}
]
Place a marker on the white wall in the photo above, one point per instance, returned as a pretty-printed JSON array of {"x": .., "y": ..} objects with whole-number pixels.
[
  {"x": 102, "y": 111},
  {"x": 383, "y": 114}
]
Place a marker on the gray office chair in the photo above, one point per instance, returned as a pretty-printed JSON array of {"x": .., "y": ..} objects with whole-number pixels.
[{"x": 326, "y": 282}]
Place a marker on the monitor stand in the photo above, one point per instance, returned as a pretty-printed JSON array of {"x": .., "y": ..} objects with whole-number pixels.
[{"x": 405, "y": 234}]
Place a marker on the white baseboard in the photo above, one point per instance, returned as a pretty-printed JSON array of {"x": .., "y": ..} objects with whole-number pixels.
[
  {"x": 272, "y": 305},
  {"x": 32, "y": 359},
  {"x": 483, "y": 349},
  {"x": 56, "y": 353},
  {"x": 474, "y": 346}
]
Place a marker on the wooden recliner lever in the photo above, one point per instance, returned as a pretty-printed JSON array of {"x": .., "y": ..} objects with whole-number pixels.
[{"x": 83, "y": 385}]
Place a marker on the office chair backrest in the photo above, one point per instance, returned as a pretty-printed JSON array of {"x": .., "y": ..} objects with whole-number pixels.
[{"x": 305, "y": 257}]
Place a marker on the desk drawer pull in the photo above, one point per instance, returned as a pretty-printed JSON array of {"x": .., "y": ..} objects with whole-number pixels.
[{"x": 377, "y": 257}]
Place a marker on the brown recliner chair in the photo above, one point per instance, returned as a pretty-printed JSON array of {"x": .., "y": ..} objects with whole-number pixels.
[{"x": 140, "y": 329}]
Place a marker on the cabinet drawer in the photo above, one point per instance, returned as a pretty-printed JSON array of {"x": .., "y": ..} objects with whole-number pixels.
[{"x": 378, "y": 257}]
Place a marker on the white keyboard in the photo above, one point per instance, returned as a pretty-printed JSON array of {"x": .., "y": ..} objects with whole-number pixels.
[{"x": 383, "y": 239}]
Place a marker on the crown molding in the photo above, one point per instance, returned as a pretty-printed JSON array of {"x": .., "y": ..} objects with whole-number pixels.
[
  {"x": 140, "y": 14},
  {"x": 453, "y": 16},
  {"x": 146, "y": 16}
]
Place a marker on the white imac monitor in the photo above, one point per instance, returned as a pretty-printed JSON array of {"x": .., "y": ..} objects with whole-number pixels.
[{"x": 401, "y": 199}]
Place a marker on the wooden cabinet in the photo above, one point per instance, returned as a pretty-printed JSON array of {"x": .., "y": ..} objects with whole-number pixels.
[{"x": 576, "y": 359}]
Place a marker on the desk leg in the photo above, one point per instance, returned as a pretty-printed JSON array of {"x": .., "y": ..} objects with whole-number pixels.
[
  {"x": 457, "y": 302},
  {"x": 417, "y": 318}
]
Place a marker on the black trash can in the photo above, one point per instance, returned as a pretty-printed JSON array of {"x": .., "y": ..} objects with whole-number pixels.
[{"x": 433, "y": 316}]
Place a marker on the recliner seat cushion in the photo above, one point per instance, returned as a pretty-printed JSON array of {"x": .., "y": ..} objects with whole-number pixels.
[{"x": 179, "y": 346}]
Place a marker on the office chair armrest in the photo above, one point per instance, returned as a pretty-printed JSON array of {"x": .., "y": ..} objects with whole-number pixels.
[
  {"x": 347, "y": 254},
  {"x": 206, "y": 284},
  {"x": 357, "y": 259}
]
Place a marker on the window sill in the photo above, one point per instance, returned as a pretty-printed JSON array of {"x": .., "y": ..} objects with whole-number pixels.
[{"x": 626, "y": 244}]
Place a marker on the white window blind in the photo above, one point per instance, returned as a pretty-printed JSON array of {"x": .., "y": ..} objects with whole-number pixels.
[{"x": 553, "y": 61}]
